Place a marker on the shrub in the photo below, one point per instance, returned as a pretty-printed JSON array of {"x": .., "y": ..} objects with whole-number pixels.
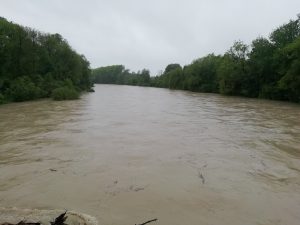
[
  {"x": 23, "y": 89},
  {"x": 64, "y": 93},
  {"x": 2, "y": 99}
]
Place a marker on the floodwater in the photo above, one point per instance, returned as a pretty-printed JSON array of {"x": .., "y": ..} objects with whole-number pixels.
[{"x": 130, "y": 154}]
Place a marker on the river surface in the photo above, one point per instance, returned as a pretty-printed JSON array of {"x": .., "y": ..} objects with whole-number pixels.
[{"x": 130, "y": 154}]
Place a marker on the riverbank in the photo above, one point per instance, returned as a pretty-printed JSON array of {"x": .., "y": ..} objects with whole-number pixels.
[{"x": 43, "y": 217}]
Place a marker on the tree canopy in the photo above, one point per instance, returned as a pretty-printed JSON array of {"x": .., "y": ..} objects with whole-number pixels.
[
  {"x": 33, "y": 64},
  {"x": 118, "y": 74}
]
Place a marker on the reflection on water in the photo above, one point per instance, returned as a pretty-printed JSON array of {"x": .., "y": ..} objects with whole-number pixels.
[{"x": 129, "y": 154}]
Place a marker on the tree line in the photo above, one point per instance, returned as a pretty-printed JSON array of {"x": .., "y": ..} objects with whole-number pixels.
[
  {"x": 267, "y": 68},
  {"x": 118, "y": 74},
  {"x": 39, "y": 65}
]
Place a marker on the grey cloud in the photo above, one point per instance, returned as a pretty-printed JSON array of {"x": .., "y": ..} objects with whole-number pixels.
[{"x": 151, "y": 34}]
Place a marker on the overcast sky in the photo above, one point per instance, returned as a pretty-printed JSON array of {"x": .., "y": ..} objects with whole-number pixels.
[{"x": 151, "y": 33}]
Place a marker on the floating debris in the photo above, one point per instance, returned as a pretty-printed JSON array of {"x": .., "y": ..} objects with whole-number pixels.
[
  {"x": 15, "y": 216},
  {"x": 60, "y": 220},
  {"x": 200, "y": 175},
  {"x": 149, "y": 221}
]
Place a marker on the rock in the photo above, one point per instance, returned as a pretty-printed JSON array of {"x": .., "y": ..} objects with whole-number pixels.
[{"x": 45, "y": 217}]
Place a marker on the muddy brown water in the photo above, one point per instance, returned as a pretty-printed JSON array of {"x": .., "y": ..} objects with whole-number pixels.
[{"x": 130, "y": 154}]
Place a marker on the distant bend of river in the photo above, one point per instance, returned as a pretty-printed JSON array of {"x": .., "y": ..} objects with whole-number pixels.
[{"x": 130, "y": 154}]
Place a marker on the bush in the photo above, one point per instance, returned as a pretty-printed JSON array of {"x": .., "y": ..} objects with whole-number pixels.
[
  {"x": 64, "y": 93},
  {"x": 2, "y": 99},
  {"x": 23, "y": 89}
]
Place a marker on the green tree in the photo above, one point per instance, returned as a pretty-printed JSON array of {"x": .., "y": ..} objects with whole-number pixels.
[
  {"x": 232, "y": 71},
  {"x": 269, "y": 69},
  {"x": 22, "y": 89},
  {"x": 33, "y": 64},
  {"x": 286, "y": 33},
  {"x": 262, "y": 73},
  {"x": 171, "y": 67},
  {"x": 289, "y": 84},
  {"x": 201, "y": 75}
]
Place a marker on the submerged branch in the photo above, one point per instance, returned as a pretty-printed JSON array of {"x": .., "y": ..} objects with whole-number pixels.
[
  {"x": 150, "y": 221},
  {"x": 60, "y": 220}
]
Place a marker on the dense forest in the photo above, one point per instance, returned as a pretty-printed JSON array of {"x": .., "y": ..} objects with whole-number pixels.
[
  {"x": 38, "y": 65},
  {"x": 118, "y": 74},
  {"x": 268, "y": 68}
]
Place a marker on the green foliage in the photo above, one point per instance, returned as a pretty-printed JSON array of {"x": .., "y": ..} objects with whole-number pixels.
[
  {"x": 109, "y": 74},
  {"x": 201, "y": 75},
  {"x": 37, "y": 65},
  {"x": 269, "y": 69},
  {"x": 117, "y": 74},
  {"x": 176, "y": 79},
  {"x": 232, "y": 71},
  {"x": 171, "y": 67},
  {"x": 286, "y": 33},
  {"x": 23, "y": 89},
  {"x": 173, "y": 78},
  {"x": 64, "y": 93},
  {"x": 261, "y": 68},
  {"x": 289, "y": 83},
  {"x": 2, "y": 99},
  {"x": 33, "y": 64},
  {"x": 230, "y": 76}
]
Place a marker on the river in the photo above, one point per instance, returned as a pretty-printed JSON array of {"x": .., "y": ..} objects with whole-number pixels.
[{"x": 130, "y": 154}]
